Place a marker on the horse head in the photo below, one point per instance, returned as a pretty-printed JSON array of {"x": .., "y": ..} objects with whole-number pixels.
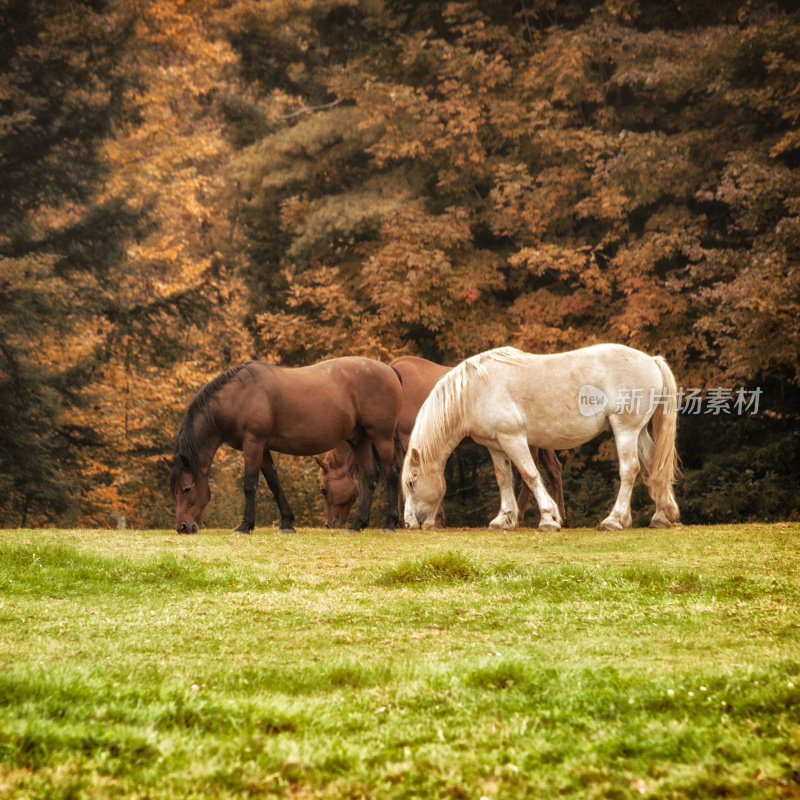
[
  {"x": 191, "y": 492},
  {"x": 424, "y": 490},
  {"x": 337, "y": 486}
]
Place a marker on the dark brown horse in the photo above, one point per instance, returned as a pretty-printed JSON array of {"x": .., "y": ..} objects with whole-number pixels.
[
  {"x": 260, "y": 407},
  {"x": 338, "y": 469}
]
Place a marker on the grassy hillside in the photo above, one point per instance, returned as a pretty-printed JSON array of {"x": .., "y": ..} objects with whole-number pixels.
[{"x": 459, "y": 663}]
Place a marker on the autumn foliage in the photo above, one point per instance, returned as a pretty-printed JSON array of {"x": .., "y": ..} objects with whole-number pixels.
[{"x": 191, "y": 183}]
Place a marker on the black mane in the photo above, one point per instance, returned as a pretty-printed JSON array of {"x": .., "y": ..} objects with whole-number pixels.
[{"x": 187, "y": 455}]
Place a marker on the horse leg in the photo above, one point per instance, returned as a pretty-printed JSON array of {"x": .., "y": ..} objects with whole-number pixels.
[
  {"x": 519, "y": 452},
  {"x": 368, "y": 478},
  {"x": 523, "y": 498},
  {"x": 253, "y": 457},
  {"x": 626, "y": 441},
  {"x": 271, "y": 474},
  {"x": 388, "y": 457},
  {"x": 666, "y": 507},
  {"x": 548, "y": 464},
  {"x": 552, "y": 466},
  {"x": 508, "y": 516}
]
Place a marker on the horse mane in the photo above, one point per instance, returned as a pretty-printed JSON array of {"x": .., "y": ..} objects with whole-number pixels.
[
  {"x": 187, "y": 455},
  {"x": 441, "y": 417}
]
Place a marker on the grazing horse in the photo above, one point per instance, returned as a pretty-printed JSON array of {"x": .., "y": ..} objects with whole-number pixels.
[
  {"x": 338, "y": 470},
  {"x": 260, "y": 407},
  {"x": 338, "y": 484},
  {"x": 508, "y": 400}
]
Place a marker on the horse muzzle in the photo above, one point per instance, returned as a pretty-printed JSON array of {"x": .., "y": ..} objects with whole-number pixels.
[
  {"x": 416, "y": 521},
  {"x": 187, "y": 527}
]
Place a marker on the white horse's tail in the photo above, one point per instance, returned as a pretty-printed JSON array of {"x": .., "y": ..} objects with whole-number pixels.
[{"x": 664, "y": 425}]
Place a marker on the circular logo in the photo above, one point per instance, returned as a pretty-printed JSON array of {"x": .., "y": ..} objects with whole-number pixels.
[{"x": 591, "y": 400}]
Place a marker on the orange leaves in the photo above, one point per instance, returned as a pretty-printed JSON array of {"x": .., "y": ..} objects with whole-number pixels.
[
  {"x": 321, "y": 323},
  {"x": 424, "y": 263},
  {"x": 514, "y": 211},
  {"x": 752, "y": 319},
  {"x": 564, "y": 261},
  {"x": 437, "y": 179},
  {"x": 166, "y": 159},
  {"x": 565, "y": 181}
]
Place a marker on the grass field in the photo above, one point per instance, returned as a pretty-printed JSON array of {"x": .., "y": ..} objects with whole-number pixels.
[{"x": 450, "y": 664}]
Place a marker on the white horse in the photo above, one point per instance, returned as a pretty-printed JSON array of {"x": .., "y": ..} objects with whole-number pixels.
[{"x": 507, "y": 400}]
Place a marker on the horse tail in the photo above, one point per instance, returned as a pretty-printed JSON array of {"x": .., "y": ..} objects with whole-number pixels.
[{"x": 664, "y": 425}]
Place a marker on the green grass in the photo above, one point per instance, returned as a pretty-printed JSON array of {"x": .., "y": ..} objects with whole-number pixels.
[{"x": 448, "y": 664}]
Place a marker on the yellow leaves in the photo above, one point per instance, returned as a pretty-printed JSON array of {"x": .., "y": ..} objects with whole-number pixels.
[
  {"x": 606, "y": 203},
  {"x": 789, "y": 142},
  {"x": 296, "y": 154},
  {"x": 168, "y": 153},
  {"x": 538, "y": 327},
  {"x": 549, "y": 257},
  {"x": 751, "y": 318},
  {"x": 171, "y": 254},
  {"x": 425, "y": 274},
  {"x": 595, "y": 279},
  {"x": 515, "y": 210},
  {"x": 320, "y": 289},
  {"x": 170, "y": 161}
]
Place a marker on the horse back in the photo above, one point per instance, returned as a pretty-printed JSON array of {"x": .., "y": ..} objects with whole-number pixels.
[
  {"x": 543, "y": 394},
  {"x": 307, "y": 410}
]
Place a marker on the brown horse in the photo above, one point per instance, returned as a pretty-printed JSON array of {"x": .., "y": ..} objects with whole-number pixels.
[
  {"x": 260, "y": 407},
  {"x": 338, "y": 469}
]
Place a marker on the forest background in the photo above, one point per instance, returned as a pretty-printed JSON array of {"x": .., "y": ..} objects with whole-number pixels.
[{"x": 190, "y": 184}]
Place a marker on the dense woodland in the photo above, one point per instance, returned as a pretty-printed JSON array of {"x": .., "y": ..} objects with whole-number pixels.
[{"x": 189, "y": 184}]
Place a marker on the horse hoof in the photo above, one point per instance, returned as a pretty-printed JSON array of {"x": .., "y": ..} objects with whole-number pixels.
[
  {"x": 660, "y": 521},
  {"x": 387, "y": 530},
  {"x": 286, "y": 530},
  {"x": 549, "y": 527},
  {"x": 610, "y": 525},
  {"x": 243, "y": 529}
]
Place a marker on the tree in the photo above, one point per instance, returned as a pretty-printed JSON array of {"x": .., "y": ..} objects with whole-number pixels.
[
  {"x": 120, "y": 286},
  {"x": 191, "y": 183},
  {"x": 176, "y": 313},
  {"x": 586, "y": 169},
  {"x": 62, "y": 90},
  {"x": 441, "y": 178}
]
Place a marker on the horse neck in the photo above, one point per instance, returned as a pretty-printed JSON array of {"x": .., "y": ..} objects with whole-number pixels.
[
  {"x": 444, "y": 442},
  {"x": 440, "y": 422},
  {"x": 342, "y": 460},
  {"x": 208, "y": 438}
]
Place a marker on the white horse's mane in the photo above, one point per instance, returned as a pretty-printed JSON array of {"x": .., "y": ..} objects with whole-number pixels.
[{"x": 441, "y": 417}]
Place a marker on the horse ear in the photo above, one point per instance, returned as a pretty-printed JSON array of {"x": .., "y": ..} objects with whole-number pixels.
[
  {"x": 321, "y": 463},
  {"x": 168, "y": 461},
  {"x": 414, "y": 458}
]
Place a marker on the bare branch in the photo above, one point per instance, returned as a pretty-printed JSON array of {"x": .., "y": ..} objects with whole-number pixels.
[{"x": 310, "y": 110}]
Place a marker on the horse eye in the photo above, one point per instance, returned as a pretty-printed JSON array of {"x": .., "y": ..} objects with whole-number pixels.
[
  {"x": 187, "y": 489},
  {"x": 324, "y": 490}
]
